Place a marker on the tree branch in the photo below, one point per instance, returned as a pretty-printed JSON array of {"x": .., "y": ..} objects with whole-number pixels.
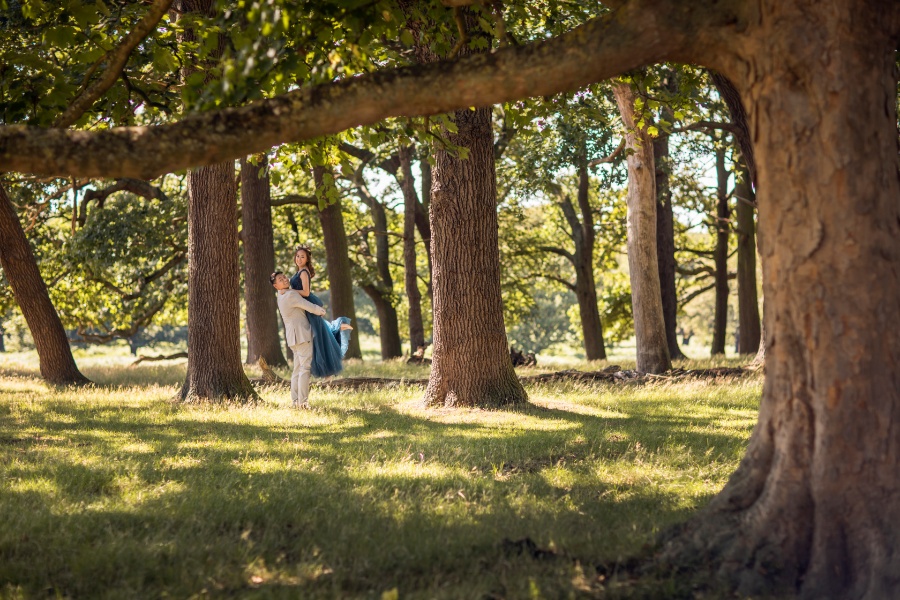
[
  {"x": 564, "y": 282},
  {"x": 295, "y": 199},
  {"x": 610, "y": 158},
  {"x": 641, "y": 32},
  {"x": 706, "y": 126},
  {"x": 559, "y": 251},
  {"x": 116, "y": 60},
  {"x": 683, "y": 301}
]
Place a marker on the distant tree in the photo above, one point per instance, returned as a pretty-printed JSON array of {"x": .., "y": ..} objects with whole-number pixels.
[
  {"x": 262, "y": 321},
  {"x": 21, "y": 271},
  {"x": 646, "y": 295}
]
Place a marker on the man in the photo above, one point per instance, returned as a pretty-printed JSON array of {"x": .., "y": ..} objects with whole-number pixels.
[{"x": 293, "y": 308}]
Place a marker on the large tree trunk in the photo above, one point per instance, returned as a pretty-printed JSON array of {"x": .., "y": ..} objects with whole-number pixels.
[
  {"x": 21, "y": 269},
  {"x": 413, "y": 296},
  {"x": 814, "y": 504},
  {"x": 723, "y": 228},
  {"x": 585, "y": 285},
  {"x": 471, "y": 363},
  {"x": 337, "y": 257},
  {"x": 214, "y": 369},
  {"x": 748, "y": 301},
  {"x": 646, "y": 297},
  {"x": 259, "y": 261},
  {"x": 665, "y": 243}
]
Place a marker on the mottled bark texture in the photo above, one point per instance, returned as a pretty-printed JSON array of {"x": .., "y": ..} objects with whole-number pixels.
[
  {"x": 665, "y": 242},
  {"x": 723, "y": 230},
  {"x": 411, "y": 279},
  {"x": 262, "y": 322},
  {"x": 214, "y": 371},
  {"x": 583, "y": 260},
  {"x": 813, "y": 506},
  {"x": 337, "y": 258},
  {"x": 471, "y": 363},
  {"x": 646, "y": 296},
  {"x": 748, "y": 300},
  {"x": 21, "y": 270},
  {"x": 641, "y": 32}
]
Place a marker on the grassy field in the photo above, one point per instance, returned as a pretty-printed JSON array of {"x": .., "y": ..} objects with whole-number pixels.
[{"x": 116, "y": 492}]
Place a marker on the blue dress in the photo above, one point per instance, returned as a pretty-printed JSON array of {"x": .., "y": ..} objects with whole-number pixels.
[{"x": 330, "y": 343}]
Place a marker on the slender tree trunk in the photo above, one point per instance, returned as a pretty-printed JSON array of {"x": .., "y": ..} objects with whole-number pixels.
[
  {"x": 665, "y": 243},
  {"x": 813, "y": 506},
  {"x": 337, "y": 257},
  {"x": 413, "y": 296},
  {"x": 382, "y": 291},
  {"x": 259, "y": 262},
  {"x": 422, "y": 222},
  {"x": 471, "y": 363},
  {"x": 748, "y": 302},
  {"x": 21, "y": 269},
  {"x": 585, "y": 286},
  {"x": 388, "y": 322},
  {"x": 646, "y": 296},
  {"x": 723, "y": 227},
  {"x": 214, "y": 371},
  {"x": 738, "y": 114},
  {"x": 2, "y": 340}
]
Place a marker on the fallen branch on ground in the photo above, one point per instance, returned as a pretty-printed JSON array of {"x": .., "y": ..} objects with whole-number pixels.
[
  {"x": 613, "y": 374},
  {"x": 152, "y": 358}
]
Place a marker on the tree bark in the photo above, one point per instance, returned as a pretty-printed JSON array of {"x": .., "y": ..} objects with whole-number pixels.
[
  {"x": 422, "y": 210},
  {"x": 748, "y": 301},
  {"x": 723, "y": 228},
  {"x": 21, "y": 269},
  {"x": 646, "y": 296},
  {"x": 665, "y": 243},
  {"x": 813, "y": 506},
  {"x": 411, "y": 280},
  {"x": 337, "y": 257},
  {"x": 214, "y": 371},
  {"x": 471, "y": 365},
  {"x": 381, "y": 291},
  {"x": 259, "y": 262},
  {"x": 585, "y": 285}
]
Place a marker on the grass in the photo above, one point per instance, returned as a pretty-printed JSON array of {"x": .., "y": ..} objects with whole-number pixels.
[{"x": 114, "y": 491}]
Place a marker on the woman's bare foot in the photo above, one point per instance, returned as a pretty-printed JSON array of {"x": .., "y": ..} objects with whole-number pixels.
[{"x": 345, "y": 327}]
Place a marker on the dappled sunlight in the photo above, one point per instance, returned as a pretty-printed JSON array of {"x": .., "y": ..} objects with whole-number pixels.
[{"x": 365, "y": 483}]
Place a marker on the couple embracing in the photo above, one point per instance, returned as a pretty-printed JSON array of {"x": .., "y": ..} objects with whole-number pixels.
[{"x": 318, "y": 345}]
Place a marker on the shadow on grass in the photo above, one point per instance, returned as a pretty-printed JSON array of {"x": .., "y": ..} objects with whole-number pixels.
[{"x": 142, "y": 502}]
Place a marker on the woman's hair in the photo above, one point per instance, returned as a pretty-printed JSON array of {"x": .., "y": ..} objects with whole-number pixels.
[{"x": 309, "y": 260}]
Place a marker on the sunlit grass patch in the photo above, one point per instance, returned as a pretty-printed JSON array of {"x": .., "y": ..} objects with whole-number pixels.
[{"x": 116, "y": 491}]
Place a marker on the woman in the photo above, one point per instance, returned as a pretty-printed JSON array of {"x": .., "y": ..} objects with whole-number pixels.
[{"x": 330, "y": 338}]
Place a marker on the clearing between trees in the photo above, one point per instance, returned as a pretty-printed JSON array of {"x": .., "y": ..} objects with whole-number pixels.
[{"x": 117, "y": 490}]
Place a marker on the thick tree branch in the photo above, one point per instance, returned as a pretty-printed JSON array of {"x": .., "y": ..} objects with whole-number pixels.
[
  {"x": 641, "y": 32},
  {"x": 116, "y": 60}
]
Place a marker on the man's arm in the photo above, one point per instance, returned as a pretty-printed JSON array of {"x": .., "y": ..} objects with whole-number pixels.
[{"x": 299, "y": 301}]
